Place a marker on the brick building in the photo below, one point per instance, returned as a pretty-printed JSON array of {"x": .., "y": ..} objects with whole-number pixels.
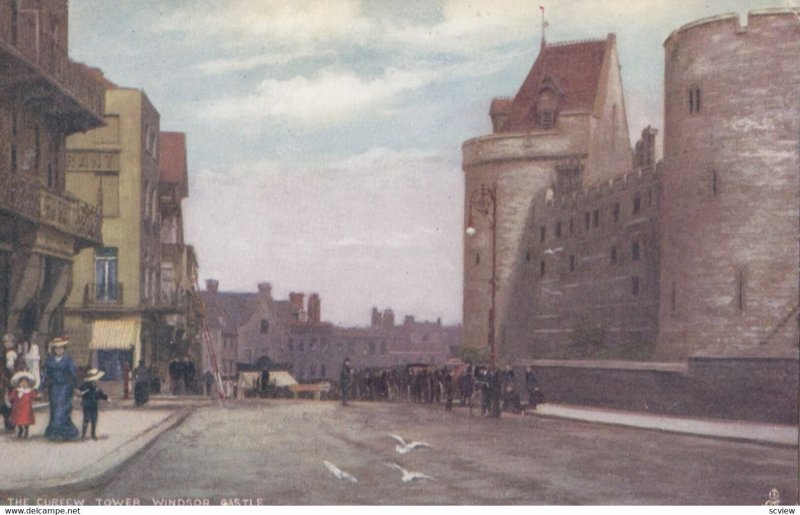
[
  {"x": 44, "y": 98},
  {"x": 598, "y": 247},
  {"x": 292, "y": 333}
]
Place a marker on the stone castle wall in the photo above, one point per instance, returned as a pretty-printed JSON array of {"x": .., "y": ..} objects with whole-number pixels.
[
  {"x": 730, "y": 214},
  {"x": 587, "y": 276}
]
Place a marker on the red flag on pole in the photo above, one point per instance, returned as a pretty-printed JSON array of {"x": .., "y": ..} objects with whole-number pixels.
[{"x": 541, "y": 8}]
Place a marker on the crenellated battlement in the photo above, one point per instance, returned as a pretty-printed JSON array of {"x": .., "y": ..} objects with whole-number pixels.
[
  {"x": 592, "y": 193},
  {"x": 756, "y": 19}
]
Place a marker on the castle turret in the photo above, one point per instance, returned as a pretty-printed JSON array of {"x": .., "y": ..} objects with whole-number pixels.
[
  {"x": 731, "y": 197},
  {"x": 566, "y": 126}
]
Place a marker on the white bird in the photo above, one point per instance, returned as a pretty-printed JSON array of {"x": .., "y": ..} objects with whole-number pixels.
[
  {"x": 551, "y": 292},
  {"x": 338, "y": 473},
  {"x": 406, "y": 447},
  {"x": 409, "y": 475},
  {"x": 553, "y": 251}
]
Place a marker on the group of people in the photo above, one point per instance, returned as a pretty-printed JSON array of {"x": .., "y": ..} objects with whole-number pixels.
[
  {"x": 439, "y": 385},
  {"x": 182, "y": 376},
  {"x": 23, "y": 383}
]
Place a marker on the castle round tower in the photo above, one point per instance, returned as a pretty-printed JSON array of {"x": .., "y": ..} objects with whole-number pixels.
[
  {"x": 730, "y": 211},
  {"x": 565, "y": 126}
]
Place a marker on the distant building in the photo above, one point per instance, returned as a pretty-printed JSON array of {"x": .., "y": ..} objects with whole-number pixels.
[
  {"x": 222, "y": 320},
  {"x": 44, "y": 97},
  {"x": 180, "y": 334},
  {"x": 317, "y": 350},
  {"x": 292, "y": 333}
]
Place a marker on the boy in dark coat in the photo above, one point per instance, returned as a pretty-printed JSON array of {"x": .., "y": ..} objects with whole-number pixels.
[{"x": 90, "y": 394}]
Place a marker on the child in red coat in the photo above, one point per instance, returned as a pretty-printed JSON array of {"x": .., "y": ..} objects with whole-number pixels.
[{"x": 21, "y": 398}]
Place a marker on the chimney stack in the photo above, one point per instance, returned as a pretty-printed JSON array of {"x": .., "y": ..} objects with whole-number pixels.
[
  {"x": 314, "y": 308},
  {"x": 212, "y": 285},
  {"x": 388, "y": 319},
  {"x": 265, "y": 289}
]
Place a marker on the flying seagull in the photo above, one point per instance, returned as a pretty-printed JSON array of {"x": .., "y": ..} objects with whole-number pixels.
[
  {"x": 338, "y": 473},
  {"x": 405, "y": 447},
  {"x": 410, "y": 475}
]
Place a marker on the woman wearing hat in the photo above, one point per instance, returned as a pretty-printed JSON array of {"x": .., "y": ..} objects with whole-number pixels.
[
  {"x": 21, "y": 398},
  {"x": 60, "y": 377}
]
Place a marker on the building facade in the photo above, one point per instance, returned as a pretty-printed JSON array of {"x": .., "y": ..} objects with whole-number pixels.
[
  {"x": 113, "y": 314},
  {"x": 180, "y": 334},
  {"x": 44, "y": 98},
  {"x": 596, "y": 251}
]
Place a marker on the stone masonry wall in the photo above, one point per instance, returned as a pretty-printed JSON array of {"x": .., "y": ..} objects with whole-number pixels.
[
  {"x": 731, "y": 188},
  {"x": 763, "y": 390},
  {"x": 588, "y": 275}
]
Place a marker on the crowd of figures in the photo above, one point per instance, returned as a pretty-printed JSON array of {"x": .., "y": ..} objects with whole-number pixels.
[
  {"x": 182, "y": 376},
  {"x": 427, "y": 384},
  {"x": 58, "y": 381}
]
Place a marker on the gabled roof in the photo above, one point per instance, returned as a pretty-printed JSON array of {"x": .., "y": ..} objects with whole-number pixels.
[
  {"x": 226, "y": 311},
  {"x": 172, "y": 161},
  {"x": 574, "y": 69}
]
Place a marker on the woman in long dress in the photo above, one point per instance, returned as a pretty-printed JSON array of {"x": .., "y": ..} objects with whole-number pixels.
[{"x": 60, "y": 377}]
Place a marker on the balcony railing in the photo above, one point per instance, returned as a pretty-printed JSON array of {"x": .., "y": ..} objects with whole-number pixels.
[
  {"x": 26, "y": 197},
  {"x": 39, "y": 48},
  {"x": 103, "y": 294}
]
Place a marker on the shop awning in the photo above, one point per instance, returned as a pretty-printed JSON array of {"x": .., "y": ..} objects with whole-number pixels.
[
  {"x": 281, "y": 378},
  {"x": 120, "y": 333}
]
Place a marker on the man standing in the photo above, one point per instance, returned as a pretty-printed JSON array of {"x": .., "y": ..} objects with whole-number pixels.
[
  {"x": 174, "y": 371},
  {"x": 141, "y": 384},
  {"x": 345, "y": 378},
  {"x": 188, "y": 375},
  {"x": 532, "y": 385}
]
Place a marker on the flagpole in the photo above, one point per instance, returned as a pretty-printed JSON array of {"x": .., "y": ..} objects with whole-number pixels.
[{"x": 541, "y": 8}]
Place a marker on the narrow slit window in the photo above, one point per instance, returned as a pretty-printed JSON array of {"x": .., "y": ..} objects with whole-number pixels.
[{"x": 714, "y": 183}]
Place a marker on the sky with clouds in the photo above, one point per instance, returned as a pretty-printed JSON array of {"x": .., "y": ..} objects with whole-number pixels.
[{"x": 324, "y": 136}]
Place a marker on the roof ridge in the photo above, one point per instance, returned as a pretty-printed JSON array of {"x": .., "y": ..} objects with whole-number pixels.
[{"x": 576, "y": 42}]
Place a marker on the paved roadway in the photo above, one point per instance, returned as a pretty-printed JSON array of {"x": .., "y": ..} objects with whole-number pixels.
[{"x": 273, "y": 451}]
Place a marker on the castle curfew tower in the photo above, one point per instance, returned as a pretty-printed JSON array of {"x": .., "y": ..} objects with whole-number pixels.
[
  {"x": 566, "y": 126},
  {"x": 730, "y": 212}
]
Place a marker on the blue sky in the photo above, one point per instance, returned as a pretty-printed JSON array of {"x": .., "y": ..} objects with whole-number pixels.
[{"x": 325, "y": 135}]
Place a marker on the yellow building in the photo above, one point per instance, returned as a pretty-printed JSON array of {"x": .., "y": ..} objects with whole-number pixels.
[{"x": 113, "y": 314}]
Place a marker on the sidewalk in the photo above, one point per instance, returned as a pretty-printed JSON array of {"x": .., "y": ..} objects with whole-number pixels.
[
  {"x": 122, "y": 431},
  {"x": 764, "y": 433}
]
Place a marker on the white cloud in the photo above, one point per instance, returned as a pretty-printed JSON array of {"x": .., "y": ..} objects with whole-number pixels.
[
  {"x": 328, "y": 98},
  {"x": 225, "y": 65},
  {"x": 469, "y": 27},
  {"x": 240, "y": 22}
]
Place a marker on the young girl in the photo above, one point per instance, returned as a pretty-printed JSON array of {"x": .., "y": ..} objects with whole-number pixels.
[{"x": 22, "y": 402}]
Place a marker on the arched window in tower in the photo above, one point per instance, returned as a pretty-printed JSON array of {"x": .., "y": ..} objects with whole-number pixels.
[{"x": 547, "y": 109}]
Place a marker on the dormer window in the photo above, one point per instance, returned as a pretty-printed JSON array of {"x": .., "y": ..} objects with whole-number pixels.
[{"x": 546, "y": 109}]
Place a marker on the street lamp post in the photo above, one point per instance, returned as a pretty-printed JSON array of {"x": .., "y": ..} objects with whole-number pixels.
[{"x": 484, "y": 202}]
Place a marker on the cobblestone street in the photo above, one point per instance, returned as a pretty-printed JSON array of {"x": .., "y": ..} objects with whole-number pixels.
[{"x": 272, "y": 452}]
